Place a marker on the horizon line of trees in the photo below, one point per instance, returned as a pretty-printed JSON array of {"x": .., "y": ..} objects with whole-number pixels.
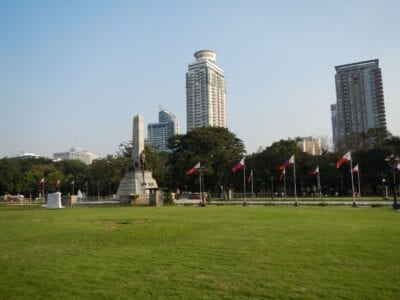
[{"x": 218, "y": 150}]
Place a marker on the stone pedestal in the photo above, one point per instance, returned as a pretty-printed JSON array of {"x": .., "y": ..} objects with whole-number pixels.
[
  {"x": 155, "y": 198},
  {"x": 136, "y": 183},
  {"x": 54, "y": 200},
  {"x": 69, "y": 200}
]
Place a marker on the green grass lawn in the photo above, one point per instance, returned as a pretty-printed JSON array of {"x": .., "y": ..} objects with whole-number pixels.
[{"x": 193, "y": 252}]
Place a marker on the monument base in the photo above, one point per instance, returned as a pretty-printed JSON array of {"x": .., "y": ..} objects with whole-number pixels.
[
  {"x": 54, "y": 200},
  {"x": 136, "y": 183}
]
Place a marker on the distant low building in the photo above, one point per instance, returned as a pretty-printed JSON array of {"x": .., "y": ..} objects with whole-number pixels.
[
  {"x": 26, "y": 155},
  {"x": 76, "y": 153},
  {"x": 310, "y": 145}
]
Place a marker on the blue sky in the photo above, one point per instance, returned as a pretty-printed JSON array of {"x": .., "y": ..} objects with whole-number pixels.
[{"x": 74, "y": 73}]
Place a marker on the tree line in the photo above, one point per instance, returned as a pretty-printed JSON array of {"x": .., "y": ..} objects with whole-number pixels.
[{"x": 218, "y": 150}]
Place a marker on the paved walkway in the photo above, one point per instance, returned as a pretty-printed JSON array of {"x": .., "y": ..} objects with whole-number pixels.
[{"x": 305, "y": 203}]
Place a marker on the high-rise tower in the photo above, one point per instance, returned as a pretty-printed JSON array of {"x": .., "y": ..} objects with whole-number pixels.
[
  {"x": 159, "y": 133},
  {"x": 360, "y": 103},
  {"x": 205, "y": 92}
]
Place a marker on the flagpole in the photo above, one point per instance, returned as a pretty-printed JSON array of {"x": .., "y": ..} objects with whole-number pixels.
[
  {"x": 352, "y": 180},
  {"x": 284, "y": 182},
  {"x": 203, "y": 195},
  {"x": 358, "y": 177},
  {"x": 73, "y": 188},
  {"x": 252, "y": 184},
  {"x": 319, "y": 184},
  {"x": 244, "y": 184},
  {"x": 200, "y": 196},
  {"x": 294, "y": 176},
  {"x": 43, "y": 190},
  {"x": 272, "y": 187}
]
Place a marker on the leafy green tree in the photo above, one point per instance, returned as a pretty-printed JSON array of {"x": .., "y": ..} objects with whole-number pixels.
[
  {"x": 125, "y": 149},
  {"x": 265, "y": 167},
  {"x": 10, "y": 176},
  {"x": 373, "y": 138},
  {"x": 72, "y": 171},
  {"x": 217, "y": 149},
  {"x": 157, "y": 163},
  {"x": 105, "y": 175}
]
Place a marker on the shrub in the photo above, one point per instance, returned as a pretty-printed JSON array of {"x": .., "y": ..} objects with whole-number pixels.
[
  {"x": 168, "y": 199},
  {"x": 377, "y": 205}
]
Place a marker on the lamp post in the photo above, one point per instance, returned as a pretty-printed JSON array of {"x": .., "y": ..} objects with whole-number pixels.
[
  {"x": 393, "y": 161},
  {"x": 384, "y": 189}
]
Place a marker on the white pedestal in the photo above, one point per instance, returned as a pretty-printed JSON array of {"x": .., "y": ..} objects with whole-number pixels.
[{"x": 54, "y": 200}]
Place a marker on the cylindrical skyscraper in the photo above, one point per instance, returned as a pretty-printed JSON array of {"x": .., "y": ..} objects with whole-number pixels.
[{"x": 205, "y": 92}]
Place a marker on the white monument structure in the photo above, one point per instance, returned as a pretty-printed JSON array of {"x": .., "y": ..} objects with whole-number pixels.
[
  {"x": 137, "y": 181},
  {"x": 54, "y": 200}
]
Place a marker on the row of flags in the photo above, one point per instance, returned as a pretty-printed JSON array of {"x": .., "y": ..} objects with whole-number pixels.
[
  {"x": 346, "y": 158},
  {"x": 57, "y": 183},
  {"x": 315, "y": 172}
]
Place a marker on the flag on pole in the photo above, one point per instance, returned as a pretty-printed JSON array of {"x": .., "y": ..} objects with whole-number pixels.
[
  {"x": 355, "y": 169},
  {"x": 315, "y": 172},
  {"x": 250, "y": 179},
  {"x": 193, "y": 170},
  {"x": 72, "y": 182},
  {"x": 288, "y": 162},
  {"x": 282, "y": 174},
  {"x": 238, "y": 166},
  {"x": 41, "y": 181},
  {"x": 58, "y": 184},
  {"x": 344, "y": 159}
]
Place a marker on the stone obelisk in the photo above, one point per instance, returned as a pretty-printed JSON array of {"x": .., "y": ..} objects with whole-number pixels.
[
  {"x": 137, "y": 181},
  {"x": 137, "y": 139}
]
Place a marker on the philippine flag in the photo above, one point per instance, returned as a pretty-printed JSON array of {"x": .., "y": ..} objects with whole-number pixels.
[
  {"x": 193, "y": 170},
  {"x": 289, "y": 162},
  {"x": 282, "y": 175},
  {"x": 344, "y": 159},
  {"x": 250, "y": 179},
  {"x": 238, "y": 166},
  {"x": 355, "y": 169},
  {"x": 315, "y": 172},
  {"x": 41, "y": 181}
]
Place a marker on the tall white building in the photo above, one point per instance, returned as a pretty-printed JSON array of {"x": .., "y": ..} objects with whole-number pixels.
[
  {"x": 205, "y": 92},
  {"x": 76, "y": 153}
]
